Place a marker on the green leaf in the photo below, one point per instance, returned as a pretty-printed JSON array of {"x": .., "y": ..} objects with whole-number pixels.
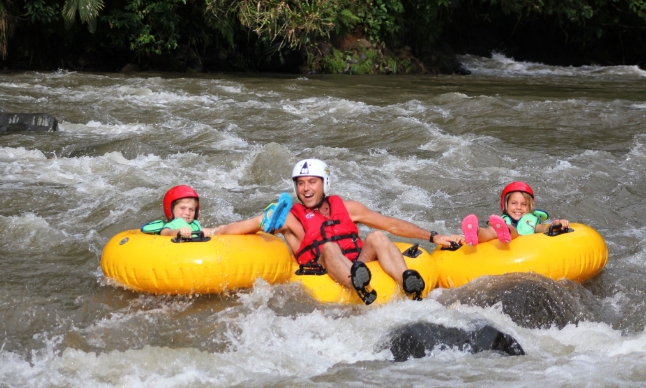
[{"x": 88, "y": 12}]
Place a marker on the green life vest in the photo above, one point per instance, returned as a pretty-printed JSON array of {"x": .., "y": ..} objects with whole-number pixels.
[
  {"x": 527, "y": 223},
  {"x": 155, "y": 227}
]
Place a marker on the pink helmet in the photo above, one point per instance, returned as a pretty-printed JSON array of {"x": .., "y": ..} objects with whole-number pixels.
[
  {"x": 179, "y": 192},
  {"x": 510, "y": 188}
]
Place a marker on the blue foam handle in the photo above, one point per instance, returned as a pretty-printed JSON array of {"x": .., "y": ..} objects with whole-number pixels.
[{"x": 278, "y": 213}]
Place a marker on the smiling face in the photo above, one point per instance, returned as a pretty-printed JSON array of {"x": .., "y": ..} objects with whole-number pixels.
[
  {"x": 309, "y": 190},
  {"x": 518, "y": 205},
  {"x": 185, "y": 208}
]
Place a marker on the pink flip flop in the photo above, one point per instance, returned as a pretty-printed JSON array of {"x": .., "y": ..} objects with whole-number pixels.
[
  {"x": 501, "y": 228},
  {"x": 470, "y": 229}
]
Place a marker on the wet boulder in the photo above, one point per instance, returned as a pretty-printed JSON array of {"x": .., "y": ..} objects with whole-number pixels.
[
  {"x": 441, "y": 59},
  {"x": 418, "y": 339},
  {"x": 530, "y": 300},
  {"x": 42, "y": 122}
]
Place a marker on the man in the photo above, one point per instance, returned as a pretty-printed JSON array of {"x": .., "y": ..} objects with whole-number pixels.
[{"x": 322, "y": 231}]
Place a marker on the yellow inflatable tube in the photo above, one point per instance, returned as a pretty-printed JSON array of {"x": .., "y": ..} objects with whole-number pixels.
[
  {"x": 326, "y": 290},
  {"x": 578, "y": 255},
  {"x": 155, "y": 264}
]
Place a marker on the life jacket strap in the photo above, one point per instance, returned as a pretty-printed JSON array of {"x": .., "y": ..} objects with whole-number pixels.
[{"x": 314, "y": 246}]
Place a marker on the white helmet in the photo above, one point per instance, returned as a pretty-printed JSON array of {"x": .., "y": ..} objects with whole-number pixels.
[{"x": 312, "y": 167}]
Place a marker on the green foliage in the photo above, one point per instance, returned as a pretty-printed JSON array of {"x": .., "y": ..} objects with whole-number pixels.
[
  {"x": 155, "y": 28},
  {"x": 363, "y": 67},
  {"x": 224, "y": 24},
  {"x": 638, "y": 7},
  {"x": 380, "y": 18},
  {"x": 424, "y": 22},
  {"x": 279, "y": 24},
  {"x": 392, "y": 64},
  {"x": 335, "y": 63},
  {"x": 150, "y": 26},
  {"x": 580, "y": 21},
  {"x": 347, "y": 18},
  {"x": 88, "y": 11},
  {"x": 415, "y": 23},
  {"x": 40, "y": 11}
]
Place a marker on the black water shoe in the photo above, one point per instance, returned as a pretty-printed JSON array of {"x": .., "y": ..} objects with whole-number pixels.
[
  {"x": 413, "y": 283},
  {"x": 360, "y": 277}
]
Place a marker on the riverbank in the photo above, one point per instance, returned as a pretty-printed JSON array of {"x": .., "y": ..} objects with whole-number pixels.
[
  {"x": 316, "y": 37},
  {"x": 351, "y": 54}
]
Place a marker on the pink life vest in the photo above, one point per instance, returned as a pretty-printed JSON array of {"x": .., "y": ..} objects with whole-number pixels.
[{"x": 319, "y": 230}]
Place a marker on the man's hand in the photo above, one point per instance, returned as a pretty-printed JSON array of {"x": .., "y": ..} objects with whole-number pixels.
[{"x": 445, "y": 241}]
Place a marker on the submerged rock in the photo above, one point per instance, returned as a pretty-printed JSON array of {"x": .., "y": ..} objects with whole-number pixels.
[
  {"x": 418, "y": 339},
  {"x": 530, "y": 300},
  {"x": 129, "y": 148},
  {"x": 441, "y": 59},
  {"x": 42, "y": 122},
  {"x": 129, "y": 68}
]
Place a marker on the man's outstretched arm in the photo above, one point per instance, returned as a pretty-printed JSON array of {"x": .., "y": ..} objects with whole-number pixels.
[{"x": 361, "y": 214}]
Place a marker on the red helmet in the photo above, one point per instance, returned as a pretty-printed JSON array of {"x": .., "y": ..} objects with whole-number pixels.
[
  {"x": 179, "y": 192},
  {"x": 510, "y": 188}
]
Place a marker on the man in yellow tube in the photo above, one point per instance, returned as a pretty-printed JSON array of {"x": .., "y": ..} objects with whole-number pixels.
[{"x": 322, "y": 233}]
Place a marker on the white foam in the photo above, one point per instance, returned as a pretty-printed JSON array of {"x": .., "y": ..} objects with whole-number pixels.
[
  {"x": 313, "y": 107},
  {"x": 500, "y": 65},
  {"x": 9, "y": 154},
  {"x": 98, "y": 128}
]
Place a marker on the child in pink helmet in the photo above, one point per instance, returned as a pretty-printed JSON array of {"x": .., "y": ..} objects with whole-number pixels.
[{"x": 519, "y": 217}]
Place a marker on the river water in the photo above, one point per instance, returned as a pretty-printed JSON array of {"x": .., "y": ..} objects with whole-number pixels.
[{"x": 429, "y": 149}]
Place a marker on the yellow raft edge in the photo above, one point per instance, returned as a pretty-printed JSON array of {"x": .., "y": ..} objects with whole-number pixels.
[{"x": 578, "y": 256}]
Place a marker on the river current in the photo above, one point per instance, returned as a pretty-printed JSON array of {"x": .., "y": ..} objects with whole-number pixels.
[{"x": 428, "y": 149}]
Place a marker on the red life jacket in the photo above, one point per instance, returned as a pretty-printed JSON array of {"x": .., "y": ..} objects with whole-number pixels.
[{"x": 319, "y": 229}]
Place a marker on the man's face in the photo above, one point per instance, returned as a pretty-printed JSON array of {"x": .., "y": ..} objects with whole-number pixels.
[{"x": 309, "y": 190}]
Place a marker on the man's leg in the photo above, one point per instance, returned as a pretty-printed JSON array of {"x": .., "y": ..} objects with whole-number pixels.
[
  {"x": 377, "y": 246},
  {"x": 336, "y": 264},
  {"x": 349, "y": 274}
]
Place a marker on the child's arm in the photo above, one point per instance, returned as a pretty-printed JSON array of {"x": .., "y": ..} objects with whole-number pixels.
[
  {"x": 208, "y": 232},
  {"x": 249, "y": 226},
  {"x": 184, "y": 232},
  {"x": 543, "y": 228},
  {"x": 187, "y": 232}
]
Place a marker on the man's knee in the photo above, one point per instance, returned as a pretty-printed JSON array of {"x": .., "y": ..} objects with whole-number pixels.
[
  {"x": 329, "y": 251},
  {"x": 377, "y": 238}
]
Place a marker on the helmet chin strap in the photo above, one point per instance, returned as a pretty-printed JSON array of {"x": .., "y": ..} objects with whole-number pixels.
[{"x": 320, "y": 202}]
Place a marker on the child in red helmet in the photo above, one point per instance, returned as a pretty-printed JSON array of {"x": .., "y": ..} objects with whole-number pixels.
[
  {"x": 181, "y": 207},
  {"x": 519, "y": 217}
]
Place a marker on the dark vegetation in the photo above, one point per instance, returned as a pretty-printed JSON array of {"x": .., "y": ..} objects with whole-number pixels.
[{"x": 316, "y": 36}]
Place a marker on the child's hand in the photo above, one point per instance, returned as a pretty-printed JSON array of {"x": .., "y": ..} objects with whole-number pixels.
[
  {"x": 564, "y": 223},
  {"x": 185, "y": 232}
]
